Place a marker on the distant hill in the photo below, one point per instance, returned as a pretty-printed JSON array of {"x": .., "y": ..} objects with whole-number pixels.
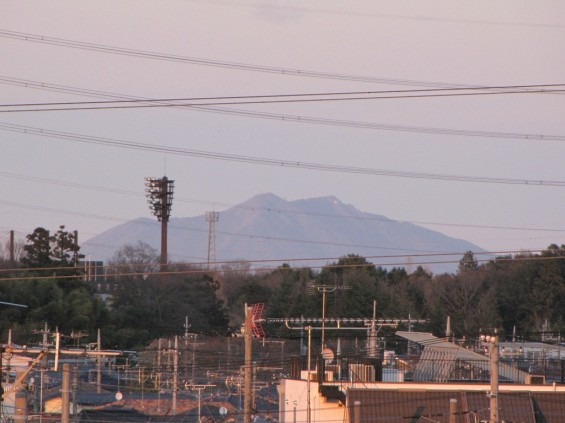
[{"x": 266, "y": 227}]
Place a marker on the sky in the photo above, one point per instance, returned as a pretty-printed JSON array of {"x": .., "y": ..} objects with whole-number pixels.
[{"x": 445, "y": 114}]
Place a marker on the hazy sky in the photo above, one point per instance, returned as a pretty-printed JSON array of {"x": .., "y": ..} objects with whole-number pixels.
[{"x": 234, "y": 48}]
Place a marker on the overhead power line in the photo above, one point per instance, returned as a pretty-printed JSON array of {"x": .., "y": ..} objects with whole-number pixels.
[
  {"x": 278, "y": 98},
  {"x": 296, "y": 164},
  {"x": 234, "y": 234},
  {"x": 62, "y": 42},
  {"x": 292, "y": 118},
  {"x": 410, "y": 251},
  {"x": 219, "y": 269},
  {"x": 364, "y": 217}
]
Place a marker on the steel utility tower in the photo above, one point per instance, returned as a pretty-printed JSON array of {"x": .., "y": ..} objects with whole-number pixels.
[
  {"x": 159, "y": 192},
  {"x": 212, "y": 218}
]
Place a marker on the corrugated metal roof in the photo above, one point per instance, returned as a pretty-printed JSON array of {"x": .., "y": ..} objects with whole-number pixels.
[
  {"x": 425, "y": 338},
  {"x": 439, "y": 357}
]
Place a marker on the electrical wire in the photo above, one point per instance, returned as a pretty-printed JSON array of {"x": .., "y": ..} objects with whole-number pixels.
[
  {"x": 259, "y": 270},
  {"x": 225, "y": 233},
  {"x": 292, "y": 118},
  {"x": 271, "y": 238},
  {"x": 202, "y": 266},
  {"x": 59, "y": 182},
  {"x": 268, "y": 99},
  {"x": 495, "y": 89},
  {"x": 22, "y": 36},
  {"x": 268, "y": 161}
]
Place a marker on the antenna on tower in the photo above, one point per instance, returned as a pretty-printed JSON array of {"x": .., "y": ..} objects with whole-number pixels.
[
  {"x": 212, "y": 217},
  {"x": 159, "y": 192}
]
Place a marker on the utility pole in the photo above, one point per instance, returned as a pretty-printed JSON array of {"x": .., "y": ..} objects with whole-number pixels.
[
  {"x": 75, "y": 253},
  {"x": 186, "y": 327},
  {"x": 494, "y": 380},
  {"x": 65, "y": 391},
  {"x": 99, "y": 364},
  {"x": 2, "y": 349},
  {"x": 493, "y": 356},
  {"x": 175, "y": 375},
  {"x": 372, "y": 344},
  {"x": 452, "y": 410},
  {"x": 323, "y": 289},
  {"x": 159, "y": 192},
  {"x": 247, "y": 367},
  {"x": 199, "y": 388},
  {"x": 308, "y": 405},
  {"x": 12, "y": 250}
]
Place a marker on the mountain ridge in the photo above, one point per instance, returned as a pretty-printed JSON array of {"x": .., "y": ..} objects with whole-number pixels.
[{"x": 267, "y": 227}]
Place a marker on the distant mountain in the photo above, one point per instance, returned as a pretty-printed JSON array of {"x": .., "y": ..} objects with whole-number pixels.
[{"x": 266, "y": 227}]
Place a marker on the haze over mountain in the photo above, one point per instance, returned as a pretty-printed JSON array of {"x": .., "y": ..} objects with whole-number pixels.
[{"x": 267, "y": 227}]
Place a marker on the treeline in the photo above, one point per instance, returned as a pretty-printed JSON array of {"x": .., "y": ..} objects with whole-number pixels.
[{"x": 522, "y": 295}]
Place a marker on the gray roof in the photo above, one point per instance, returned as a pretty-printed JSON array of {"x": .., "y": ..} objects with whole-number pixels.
[{"x": 439, "y": 358}]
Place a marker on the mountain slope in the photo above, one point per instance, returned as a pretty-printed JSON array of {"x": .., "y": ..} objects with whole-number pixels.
[{"x": 267, "y": 227}]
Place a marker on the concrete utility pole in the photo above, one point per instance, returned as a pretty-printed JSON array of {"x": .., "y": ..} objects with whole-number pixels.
[
  {"x": 99, "y": 364},
  {"x": 308, "y": 405},
  {"x": 159, "y": 192},
  {"x": 493, "y": 356},
  {"x": 199, "y": 388},
  {"x": 494, "y": 379},
  {"x": 12, "y": 249},
  {"x": 175, "y": 376},
  {"x": 372, "y": 341},
  {"x": 357, "y": 412},
  {"x": 248, "y": 353},
  {"x": 452, "y": 410},
  {"x": 324, "y": 289},
  {"x": 65, "y": 391}
]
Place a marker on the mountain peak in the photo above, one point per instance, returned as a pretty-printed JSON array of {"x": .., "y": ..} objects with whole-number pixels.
[
  {"x": 264, "y": 199},
  {"x": 267, "y": 227}
]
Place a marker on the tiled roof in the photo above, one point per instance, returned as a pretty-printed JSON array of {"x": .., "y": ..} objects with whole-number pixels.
[
  {"x": 420, "y": 406},
  {"x": 401, "y": 407},
  {"x": 513, "y": 407},
  {"x": 549, "y": 407}
]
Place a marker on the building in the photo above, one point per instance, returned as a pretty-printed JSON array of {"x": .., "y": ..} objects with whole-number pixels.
[
  {"x": 446, "y": 384},
  {"x": 417, "y": 402}
]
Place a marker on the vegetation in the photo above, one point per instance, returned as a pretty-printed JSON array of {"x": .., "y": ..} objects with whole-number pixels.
[{"x": 524, "y": 294}]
